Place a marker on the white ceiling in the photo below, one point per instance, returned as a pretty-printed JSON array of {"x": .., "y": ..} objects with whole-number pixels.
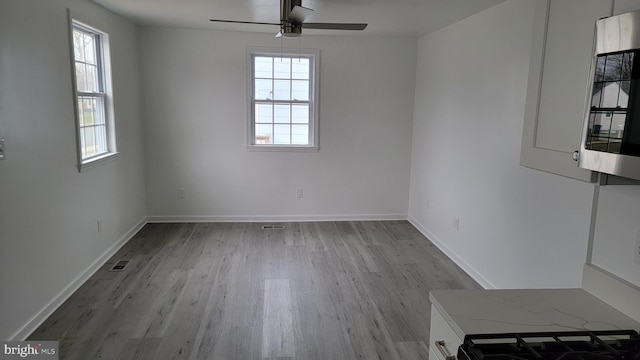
[{"x": 405, "y": 18}]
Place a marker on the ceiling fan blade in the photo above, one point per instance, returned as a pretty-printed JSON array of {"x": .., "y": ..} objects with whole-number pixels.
[
  {"x": 299, "y": 14},
  {"x": 334, "y": 26},
  {"x": 243, "y": 22}
]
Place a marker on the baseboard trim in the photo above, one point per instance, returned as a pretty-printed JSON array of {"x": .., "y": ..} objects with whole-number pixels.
[
  {"x": 452, "y": 255},
  {"x": 273, "y": 218},
  {"x": 36, "y": 320}
]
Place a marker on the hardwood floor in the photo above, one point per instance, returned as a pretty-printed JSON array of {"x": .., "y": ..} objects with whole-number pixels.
[{"x": 325, "y": 290}]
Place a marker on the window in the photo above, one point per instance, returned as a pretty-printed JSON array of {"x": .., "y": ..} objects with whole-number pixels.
[
  {"x": 610, "y": 108},
  {"x": 283, "y": 101},
  {"x": 92, "y": 86}
]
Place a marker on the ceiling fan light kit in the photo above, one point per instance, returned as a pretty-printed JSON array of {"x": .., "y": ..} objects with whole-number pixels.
[{"x": 292, "y": 20}]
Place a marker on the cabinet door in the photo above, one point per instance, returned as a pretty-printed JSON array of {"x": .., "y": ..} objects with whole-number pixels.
[
  {"x": 441, "y": 331},
  {"x": 561, "y": 53}
]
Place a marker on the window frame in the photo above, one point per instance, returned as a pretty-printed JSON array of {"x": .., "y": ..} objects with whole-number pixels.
[
  {"x": 103, "y": 60},
  {"x": 314, "y": 56}
]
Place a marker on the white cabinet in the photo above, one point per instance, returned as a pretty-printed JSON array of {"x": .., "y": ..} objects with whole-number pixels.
[
  {"x": 443, "y": 340},
  {"x": 561, "y": 53}
]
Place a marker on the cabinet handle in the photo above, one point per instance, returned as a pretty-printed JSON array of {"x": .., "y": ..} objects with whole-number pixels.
[
  {"x": 443, "y": 350},
  {"x": 576, "y": 155}
]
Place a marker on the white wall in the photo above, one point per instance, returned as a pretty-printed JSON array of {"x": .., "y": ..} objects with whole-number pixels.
[
  {"x": 617, "y": 226},
  {"x": 518, "y": 227},
  {"x": 48, "y": 211},
  {"x": 194, "y": 104}
]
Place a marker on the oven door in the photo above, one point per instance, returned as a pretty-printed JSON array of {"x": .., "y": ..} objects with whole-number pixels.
[{"x": 611, "y": 131}]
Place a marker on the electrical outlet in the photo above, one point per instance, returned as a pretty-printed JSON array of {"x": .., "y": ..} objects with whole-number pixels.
[
  {"x": 99, "y": 225},
  {"x": 456, "y": 223},
  {"x": 299, "y": 193},
  {"x": 1, "y": 149},
  {"x": 180, "y": 193},
  {"x": 636, "y": 252}
]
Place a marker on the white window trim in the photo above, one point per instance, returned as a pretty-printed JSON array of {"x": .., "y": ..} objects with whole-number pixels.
[
  {"x": 86, "y": 164},
  {"x": 315, "y": 96}
]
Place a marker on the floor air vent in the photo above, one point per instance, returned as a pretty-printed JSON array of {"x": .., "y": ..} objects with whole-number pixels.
[
  {"x": 120, "y": 265},
  {"x": 272, "y": 227}
]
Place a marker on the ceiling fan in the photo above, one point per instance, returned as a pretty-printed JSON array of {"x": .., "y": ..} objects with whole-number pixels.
[{"x": 292, "y": 20}]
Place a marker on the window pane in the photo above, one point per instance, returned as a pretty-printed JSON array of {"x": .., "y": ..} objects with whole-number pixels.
[
  {"x": 263, "y": 89},
  {"x": 614, "y": 146},
  {"x": 613, "y": 69},
  {"x": 264, "y": 134},
  {"x": 595, "y": 124},
  {"x": 600, "y": 68},
  {"x": 88, "y": 110},
  {"x": 282, "y": 68},
  {"x": 92, "y": 79},
  {"x": 282, "y": 89},
  {"x": 93, "y": 130},
  {"x": 282, "y": 113},
  {"x": 300, "y": 90},
  {"x": 78, "y": 45},
  {"x": 263, "y": 67},
  {"x": 592, "y": 130},
  {"x": 623, "y": 97},
  {"x": 264, "y": 113},
  {"x": 101, "y": 139},
  {"x": 300, "y": 68},
  {"x": 100, "y": 111},
  {"x": 627, "y": 65},
  {"x": 605, "y": 124},
  {"x": 81, "y": 77},
  {"x": 80, "y": 113},
  {"x": 300, "y": 114},
  {"x": 300, "y": 135},
  {"x": 89, "y": 145},
  {"x": 82, "y": 142},
  {"x": 597, "y": 95},
  {"x": 617, "y": 125},
  {"x": 610, "y": 95},
  {"x": 282, "y": 134},
  {"x": 90, "y": 49}
]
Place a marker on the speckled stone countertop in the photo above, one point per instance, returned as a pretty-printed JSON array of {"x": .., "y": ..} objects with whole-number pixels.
[{"x": 505, "y": 311}]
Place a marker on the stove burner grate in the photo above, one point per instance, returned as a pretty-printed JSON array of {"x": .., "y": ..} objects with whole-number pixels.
[{"x": 564, "y": 345}]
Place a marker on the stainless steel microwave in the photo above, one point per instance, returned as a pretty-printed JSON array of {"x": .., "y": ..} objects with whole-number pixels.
[{"x": 611, "y": 131}]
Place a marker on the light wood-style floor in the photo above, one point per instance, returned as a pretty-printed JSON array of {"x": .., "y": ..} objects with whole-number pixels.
[{"x": 325, "y": 290}]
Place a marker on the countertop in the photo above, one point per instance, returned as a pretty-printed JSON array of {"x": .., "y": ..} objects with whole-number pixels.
[{"x": 530, "y": 310}]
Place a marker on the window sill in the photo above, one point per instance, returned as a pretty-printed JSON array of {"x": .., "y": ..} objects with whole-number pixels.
[
  {"x": 97, "y": 161},
  {"x": 282, "y": 148}
]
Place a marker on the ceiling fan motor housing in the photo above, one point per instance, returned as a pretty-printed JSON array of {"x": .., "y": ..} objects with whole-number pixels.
[
  {"x": 293, "y": 17},
  {"x": 289, "y": 30}
]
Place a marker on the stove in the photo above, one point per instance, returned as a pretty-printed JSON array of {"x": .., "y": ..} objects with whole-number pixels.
[{"x": 571, "y": 345}]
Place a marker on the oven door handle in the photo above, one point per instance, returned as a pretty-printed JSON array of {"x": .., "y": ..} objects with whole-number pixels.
[{"x": 444, "y": 351}]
